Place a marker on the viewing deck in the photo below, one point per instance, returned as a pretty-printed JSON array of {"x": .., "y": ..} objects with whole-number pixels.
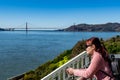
[
  {"x": 77, "y": 62},
  {"x": 80, "y": 61}
]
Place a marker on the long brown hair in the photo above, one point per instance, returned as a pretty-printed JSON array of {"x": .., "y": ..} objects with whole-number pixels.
[{"x": 98, "y": 47}]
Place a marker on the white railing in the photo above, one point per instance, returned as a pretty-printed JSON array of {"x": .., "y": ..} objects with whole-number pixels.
[{"x": 77, "y": 62}]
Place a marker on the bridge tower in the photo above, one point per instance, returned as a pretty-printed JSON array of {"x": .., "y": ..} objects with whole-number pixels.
[{"x": 26, "y": 26}]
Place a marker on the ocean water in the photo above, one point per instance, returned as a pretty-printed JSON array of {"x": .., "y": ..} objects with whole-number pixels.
[{"x": 21, "y": 51}]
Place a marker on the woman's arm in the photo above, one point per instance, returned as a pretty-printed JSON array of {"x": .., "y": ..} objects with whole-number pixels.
[{"x": 94, "y": 66}]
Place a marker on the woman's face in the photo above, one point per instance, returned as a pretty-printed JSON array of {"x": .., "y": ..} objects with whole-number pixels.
[{"x": 90, "y": 48}]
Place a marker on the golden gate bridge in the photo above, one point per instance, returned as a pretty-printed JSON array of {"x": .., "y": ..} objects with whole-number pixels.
[{"x": 28, "y": 26}]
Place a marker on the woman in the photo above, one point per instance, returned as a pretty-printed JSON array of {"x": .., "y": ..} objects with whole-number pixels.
[{"x": 99, "y": 66}]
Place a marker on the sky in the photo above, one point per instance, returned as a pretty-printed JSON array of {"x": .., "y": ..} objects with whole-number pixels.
[{"x": 57, "y": 13}]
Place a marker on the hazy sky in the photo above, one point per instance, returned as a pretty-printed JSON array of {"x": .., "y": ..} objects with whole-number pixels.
[{"x": 57, "y": 13}]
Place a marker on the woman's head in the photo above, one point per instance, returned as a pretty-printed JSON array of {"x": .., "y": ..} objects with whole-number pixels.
[{"x": 94, "y": 44}]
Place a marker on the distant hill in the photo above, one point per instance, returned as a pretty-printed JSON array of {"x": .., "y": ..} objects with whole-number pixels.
[
  {"x": 1, "y": 29},
  {"x": 108, "y": 27},
  {"x": 6, "y": 29}
]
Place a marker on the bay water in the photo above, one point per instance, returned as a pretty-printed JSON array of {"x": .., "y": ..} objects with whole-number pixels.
[{"x": 21, "y": 51}]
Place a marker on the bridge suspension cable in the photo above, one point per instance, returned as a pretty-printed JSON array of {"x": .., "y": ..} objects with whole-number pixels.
[{"x": 27, "y": 26}]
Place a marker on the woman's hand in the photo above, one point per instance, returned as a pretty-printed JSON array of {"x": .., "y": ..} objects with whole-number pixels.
[{"x": 70, "y": 71}]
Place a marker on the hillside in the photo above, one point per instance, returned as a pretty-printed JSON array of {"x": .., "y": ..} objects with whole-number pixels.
[{"x": 108, "y": 27}]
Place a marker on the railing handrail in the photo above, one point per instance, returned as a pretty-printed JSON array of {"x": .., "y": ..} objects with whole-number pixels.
[{"x": 66, "y": 64}]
